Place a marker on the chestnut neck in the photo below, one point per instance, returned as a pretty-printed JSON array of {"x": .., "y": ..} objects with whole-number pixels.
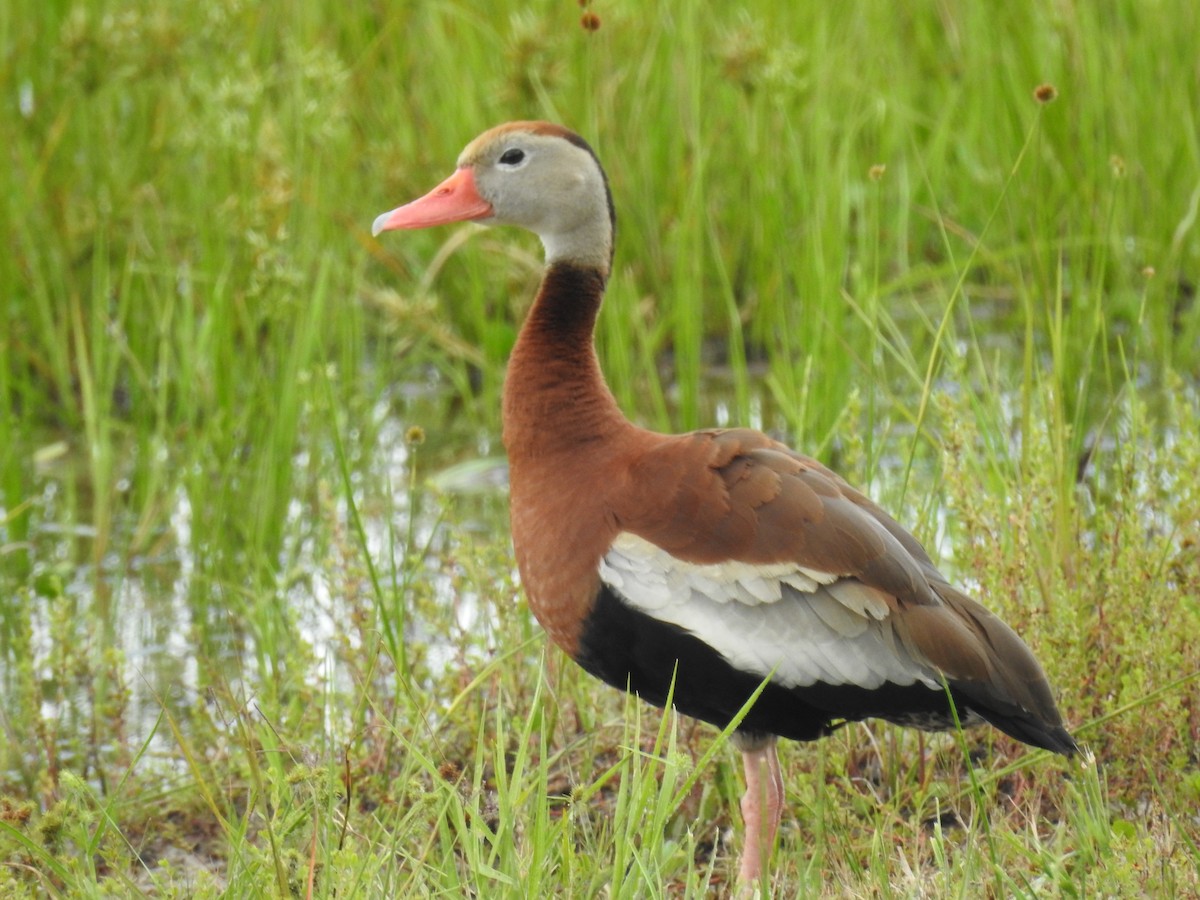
[{"x": 555, "y": 397}]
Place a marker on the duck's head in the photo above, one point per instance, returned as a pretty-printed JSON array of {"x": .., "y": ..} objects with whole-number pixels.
[{"x": 537, "y": 175}]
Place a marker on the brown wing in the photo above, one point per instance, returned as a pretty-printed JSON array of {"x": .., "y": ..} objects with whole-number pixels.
[
  {"x": 713, "y": 496},
  {"x": 720, "y": 496}
]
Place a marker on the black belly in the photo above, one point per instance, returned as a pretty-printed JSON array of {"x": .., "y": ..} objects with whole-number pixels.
[{"x": 634, "y": 651}]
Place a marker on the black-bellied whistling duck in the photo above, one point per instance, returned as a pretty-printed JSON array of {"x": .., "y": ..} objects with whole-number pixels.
[{"x": 702, "y": 564}]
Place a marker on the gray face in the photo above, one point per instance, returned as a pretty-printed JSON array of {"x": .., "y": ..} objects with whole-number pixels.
[{"x": 548, "y": 185}]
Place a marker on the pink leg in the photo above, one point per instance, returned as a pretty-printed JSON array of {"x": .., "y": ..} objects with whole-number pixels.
[{"x": 762, "y": 808}]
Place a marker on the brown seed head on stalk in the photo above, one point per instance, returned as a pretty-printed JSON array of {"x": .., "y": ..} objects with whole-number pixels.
[
  {"x": 1045, "y": 93},
  {"x": 590, "y": 21}
]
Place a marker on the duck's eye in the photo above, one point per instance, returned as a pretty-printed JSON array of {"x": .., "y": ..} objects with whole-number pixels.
[{"x": 511, "y": 157}]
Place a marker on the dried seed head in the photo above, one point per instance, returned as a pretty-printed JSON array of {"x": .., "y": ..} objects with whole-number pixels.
[
  {"x": 1148, "y": 272},
  {"x": 1117, "y": 164},
  {"x": 1045, "y": 93},
  {"x": 875, "y": 173},
  {"x": 590, "y": 21},
  {"x": 415, "y": 436}
]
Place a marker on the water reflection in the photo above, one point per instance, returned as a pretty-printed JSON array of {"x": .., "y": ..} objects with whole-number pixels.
[{"x": 100, "y": 649}]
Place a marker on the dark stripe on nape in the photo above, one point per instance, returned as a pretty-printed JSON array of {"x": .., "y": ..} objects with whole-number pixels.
[
  {"x": 579, "y": 142},
  {"x": 634, "y": 651}
]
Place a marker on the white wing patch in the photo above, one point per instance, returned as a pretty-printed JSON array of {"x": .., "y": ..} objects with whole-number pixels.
[{"x": 804, "y": 625}]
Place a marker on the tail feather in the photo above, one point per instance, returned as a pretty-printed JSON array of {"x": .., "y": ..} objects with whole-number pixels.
[{"x": 1002, "y": 681}]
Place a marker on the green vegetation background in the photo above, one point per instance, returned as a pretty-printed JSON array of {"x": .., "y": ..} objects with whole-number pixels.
[{"x": 258, "y": 626}]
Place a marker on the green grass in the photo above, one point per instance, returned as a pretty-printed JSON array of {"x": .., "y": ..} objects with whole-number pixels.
[{"x": 260, "y": 637}]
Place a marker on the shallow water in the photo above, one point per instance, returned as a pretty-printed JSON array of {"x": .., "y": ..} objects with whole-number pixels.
[
  {"x": 104, "y": 632},
  {"x": 117, "y": 636}
]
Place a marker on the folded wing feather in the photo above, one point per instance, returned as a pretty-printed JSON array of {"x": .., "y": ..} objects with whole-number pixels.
[
  {"x": 785, "y": 569},
  {"x": 803, "y": 626}
]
